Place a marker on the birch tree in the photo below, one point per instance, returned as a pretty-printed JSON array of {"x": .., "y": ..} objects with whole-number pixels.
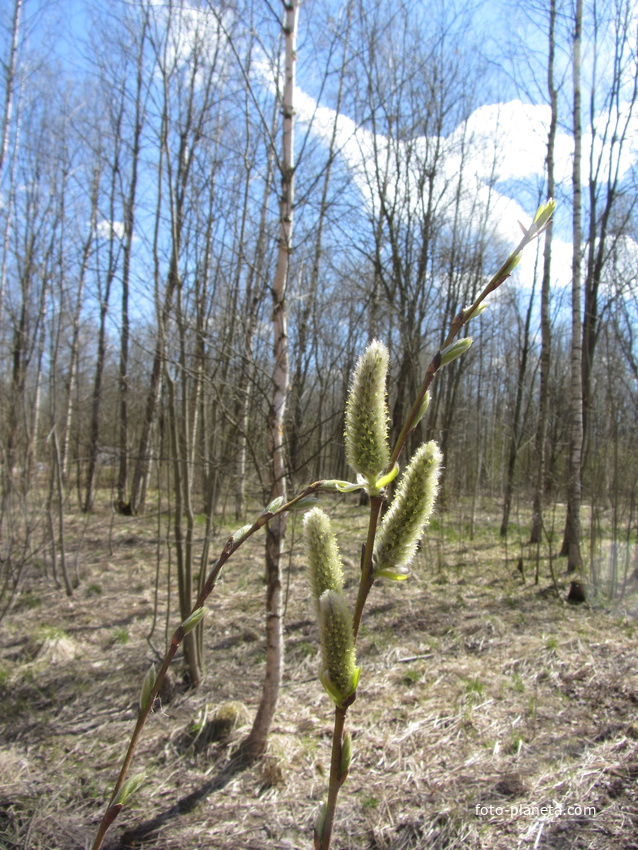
[
  {"x": 276, "y": 530},
  {"x": 571, "y": 543},
  {"x": 546, "y": 333},
  {"x": 10, "y": 67}
]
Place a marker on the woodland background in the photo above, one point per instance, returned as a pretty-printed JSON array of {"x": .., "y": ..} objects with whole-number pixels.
[
  {"x": 139, "y": 224},
  {"x": 140, "y": 185}
]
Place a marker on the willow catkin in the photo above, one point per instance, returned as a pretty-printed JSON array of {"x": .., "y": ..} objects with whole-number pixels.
[
  {"x": 366, "y": 430},
  {"x": 339, "y": 673},
  {"x": 324, "y": 562},
  {"x": 402, "y": 526}
]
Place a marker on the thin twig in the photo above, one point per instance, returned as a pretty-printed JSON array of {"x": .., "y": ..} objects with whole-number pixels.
[{"x": 230, "y": 547}]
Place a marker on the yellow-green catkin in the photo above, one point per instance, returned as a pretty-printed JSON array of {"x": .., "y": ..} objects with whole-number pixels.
[
  {"x": 325, "y": 571},
  {"x": 339, "y": 673},
  {"x": 402, "y": 526},
  {"x": 366, "y": 431}
]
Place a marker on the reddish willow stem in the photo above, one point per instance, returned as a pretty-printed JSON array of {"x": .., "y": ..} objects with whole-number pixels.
[
  {"x": 230, "y": 547},
  {"x": 461, "y": 319},
  {"x": 367, "y": 579},
  {"x": 322, "y": 842}
]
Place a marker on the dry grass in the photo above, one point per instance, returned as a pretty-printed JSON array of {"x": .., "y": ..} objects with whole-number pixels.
[{"x": 477, "y": 689}]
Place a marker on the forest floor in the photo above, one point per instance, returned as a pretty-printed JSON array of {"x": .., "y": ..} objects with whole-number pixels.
[{"x": 490, "y": 714}]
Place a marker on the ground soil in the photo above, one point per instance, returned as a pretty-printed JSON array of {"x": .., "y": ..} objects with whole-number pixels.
[{"x": 490, "y": 713}]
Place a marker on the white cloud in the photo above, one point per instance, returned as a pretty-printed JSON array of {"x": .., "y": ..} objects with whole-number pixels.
[
  {"x": 193, "y": 34},
  {"x": 520, "y": 131},
  {"x": 499, "y": 142},
  {"x": 469, "y": 150},
  {"x": 104, "y": 229}
]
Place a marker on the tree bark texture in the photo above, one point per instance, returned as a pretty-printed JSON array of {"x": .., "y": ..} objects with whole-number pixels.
[
  {"x": 571, "y": 542},
  {"x": 276, "y": 532},
  {"x": 546, "y": 333}
]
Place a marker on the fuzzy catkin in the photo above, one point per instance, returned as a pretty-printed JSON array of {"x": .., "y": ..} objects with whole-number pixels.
[
  {"x": 337, "y": 644},
  {"x": 402, "y": 526},
  {"x": 325, "y": 571},
  {"x": 366, "y": 431}
]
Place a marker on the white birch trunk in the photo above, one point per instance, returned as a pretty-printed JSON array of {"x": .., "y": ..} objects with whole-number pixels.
[
  {"x": 276, "y": 531},
  {"x": 572, "y": 528}
]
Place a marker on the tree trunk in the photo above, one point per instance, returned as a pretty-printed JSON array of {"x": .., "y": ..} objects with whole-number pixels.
[
  {"x": 275, "y": 535},
  {"x": 571, "y": 541},
  {"x": 9, "y": 90},
  {"x": 515, "y": 437},
  {"x": 75, "y": 341},
  {"x": 9, "y": 95},
  {"x": 546, "y": 333},
  {"x": 184, "y": 537},
  {"x": 129, "y": 228},
  {"x": 302, "y": 357},
  {"x": 104, "y": 297}
]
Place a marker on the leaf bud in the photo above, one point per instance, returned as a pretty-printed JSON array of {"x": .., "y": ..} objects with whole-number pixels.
[
  {"x": 147, "y": 686},
  {"x": 342, "y": 486},
  {"x": 383, "y": 480},
  {"x": 242, "y": 532},
  {"x": 423, "y": 409},
  {"x": 458, "y": 347},
  {"x": 468, "y": 313},
  {"x": 274, "y": 506},
  {"x": 305, "y": 503},
  {"x": 320, "y": 825},
  {"x": 544, "y": 213},
  {"x": 128, "y": 789},
  {"x": 190, "y": 622},
  {"x": 510, "y": 264},
  {"x": 346, "y": 757}
]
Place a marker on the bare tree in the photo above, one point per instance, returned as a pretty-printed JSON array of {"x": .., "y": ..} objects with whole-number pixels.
[
  {"x": 612, "y": 108},
  {"x": 187, "y": 94},
  {"x": 10, "y": 68},
  {"x": 10, "y": 84},
  {"x": 276, "y": 531},
  {"x": 546, "y": 333},
  {"x": 571, "y": 543},
  {"x": 524, "y": 343},
  {"x": 128, "y": 209},
  {"x": 107, "y": 260}
]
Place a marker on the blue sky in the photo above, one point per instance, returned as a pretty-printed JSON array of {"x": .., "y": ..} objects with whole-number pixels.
[
  {"x": 508, "y": 133},
  {"x": 507, "y": 120}
]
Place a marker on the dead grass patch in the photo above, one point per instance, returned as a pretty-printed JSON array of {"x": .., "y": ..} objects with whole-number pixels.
[{"x": 477, "y": 690}]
